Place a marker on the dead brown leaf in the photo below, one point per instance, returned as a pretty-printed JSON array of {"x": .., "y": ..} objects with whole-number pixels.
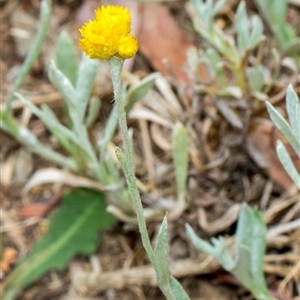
[{"x": 162, "y": 41}]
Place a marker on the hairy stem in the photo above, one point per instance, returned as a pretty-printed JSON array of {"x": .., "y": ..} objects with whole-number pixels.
[{"x": 126, "y": 158}]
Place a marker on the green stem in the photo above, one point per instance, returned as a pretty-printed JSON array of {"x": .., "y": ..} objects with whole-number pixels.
[
  {"x": 127, "y": 159},
  {"x": 240, "y": 80},
  {"x": 239, "y": 75}
]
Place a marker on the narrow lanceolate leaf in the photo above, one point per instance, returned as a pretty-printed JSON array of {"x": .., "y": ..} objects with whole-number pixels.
[
  {"x": 74, "y": 229},
  {"x": 66, "y": 56},
  {"x": 275, "y": 14},
  {"x": 180, "y": 157},
  {"x": 255, "y": 76},
  {"x": 63, "y": 84},
  {"x": 217, "y": 249},
  {"x": 62, "y": 133},
  {"x": 177, "y": 290},
  {"x": 167, "y": 283},
  {"x": 293, "y": 109},
  {"x": 284, "y": 127},
  {"x": 242, "y": 26},
  {"x": 256, "y": 31},
  {"x": 84, "y": 85},
  {"x": 287, "y": 163},
  {"x": 139, "y": 90},
  {"x": 161, "y": 255},
  {"x": 251, "y": 235}
]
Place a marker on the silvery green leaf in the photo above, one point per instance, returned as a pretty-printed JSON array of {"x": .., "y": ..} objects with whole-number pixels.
[
  {"x": 287, "y": 163},
  {"x": 250, "y": 246},
  {"x": 293, "y": 109},
  {"x": 241, "y": 268},
  {"x": 84, "y": 85},
  {"x": 242, "y": 27},
  {"x": 63, "y": 84},
  {"x": 204, "y": 13},
  {"x": 180, "y": 157},
  {"x": 139, "y": 90},
  {"x": 168, "y": 284},
  {"x": 274, "y": 12},
  {"x": 243, "y": 273},
  {"x": 28, "y": 139},
  {"x": 256, "y": 33},
  {"x": 108, "y": 132},
  {"x": 199, "y": 243},
  {"x": 93, "y": 111},
  {"x": 208, "y": 13},
  {"x": 283, "y": 126},
  {"x": 218, "y": 250},
  {"x": 218, "y": 6},
  {"x": 255, "y": 76},
  {"x": 46, "y": 115},
  {"x": 57, "y": 129},
  {"x": 251, "y": 235},
  {"x": 250, "y": 30},
  {"x": 177, "y": 290},
  {"x": 66, "y": 56},
  {"x": 161, "y": 256},
  {"x": 221, "y": 253},
  {"x": 214, "y": 64}
]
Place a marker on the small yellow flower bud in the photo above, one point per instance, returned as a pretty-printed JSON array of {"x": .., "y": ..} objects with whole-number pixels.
[{"x": 109, "y": 34}]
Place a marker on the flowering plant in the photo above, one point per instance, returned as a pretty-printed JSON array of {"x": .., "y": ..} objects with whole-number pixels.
[
  {"x": 108, "y": 37},
  {"x": 95, "y": 166}
]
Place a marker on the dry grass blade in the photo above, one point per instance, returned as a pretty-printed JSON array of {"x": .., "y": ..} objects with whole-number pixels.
[
  {"x": 220, "y": 224},
  {"x": 51, "y": 175}
]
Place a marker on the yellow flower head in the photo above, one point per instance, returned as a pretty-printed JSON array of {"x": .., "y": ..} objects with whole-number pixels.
[{"x": 109, "y": 34}]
